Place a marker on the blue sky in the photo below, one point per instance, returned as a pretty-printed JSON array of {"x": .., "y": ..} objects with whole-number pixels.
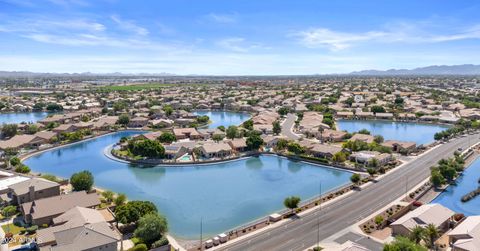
[{"x": 230, "y": 37}]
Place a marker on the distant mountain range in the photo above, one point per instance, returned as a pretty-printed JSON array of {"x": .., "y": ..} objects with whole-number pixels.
[{"x": 464, "y": 69}]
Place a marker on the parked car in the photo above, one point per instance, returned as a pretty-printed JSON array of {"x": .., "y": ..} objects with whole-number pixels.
[{"x": 28, "y": 247}]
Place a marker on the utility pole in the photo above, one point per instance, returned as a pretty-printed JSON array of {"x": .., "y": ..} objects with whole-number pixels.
[
  {"x": 318, "y": 216},
  {"x": 201, "y": 233}
]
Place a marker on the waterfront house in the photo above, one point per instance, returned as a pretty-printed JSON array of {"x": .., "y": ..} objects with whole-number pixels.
[
  {"x": 161, "y": 123},
  {"x": 149, "y": 135},
  {"x": 363, "y": 137},
  {"x": 174, "y": 151},
  {"x": 138, "y": 122},
  {"x": 186, "y": 133},
  {"x": 64, "y": 128},
  {"x": 210, "y": 132},
  {"x": 238, "y": 145},
  {"x": 364, "y": 157},
  {"x": 400, "y": 146},
  {"x": 435, "y": 214},
  {"x": 324, "y": 151},
  {"x": 271, "y": 141},
  {"x": 42, "y": 211},
  {"x": 384, "y": 115},
  {"x": 344, "y": 115},
  {"x": 216, "y": 150},
  {"x": 33, "y": 189},
  {"x": 21, "y": 141},
  {"x": 47, "y": 136},
  {"x": 332, "y": 135},
  {"x": 81, "y": 225},
  {"x": 466, "y": 235},
  {"x": 364, "y": 115}
]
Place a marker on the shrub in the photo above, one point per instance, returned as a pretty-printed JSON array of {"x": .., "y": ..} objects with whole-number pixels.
[
  {"x": 9, "y": 211},
  {"x": 139, "y": 247},
  {"x": 22, "y": 169},
  {"x": 82, "y": 181},
  {"x": 162, "y": 242},
  {"x": 33, "y": 229},
  {"x": 14, "y": 161}
]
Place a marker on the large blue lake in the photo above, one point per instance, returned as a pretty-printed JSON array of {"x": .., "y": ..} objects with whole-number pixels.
[
  {"x": 9, "y": 118},
  {"x": 465, "y": 184},
  {"x": 224, "y": 195},
  {"x": 223, "y": 118},
  {"x": 416, "y": 132}
]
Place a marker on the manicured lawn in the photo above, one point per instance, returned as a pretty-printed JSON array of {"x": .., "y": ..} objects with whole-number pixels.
[{"x": 13, "y": 229}]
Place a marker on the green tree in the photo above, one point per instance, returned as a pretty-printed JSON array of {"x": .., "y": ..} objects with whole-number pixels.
[
  {"x": 371, "y": 171},
  {"x": 53, "y": 107},
  {"x": 15, "y": 161},
  {"x": 295, "y": 148},
  {"x": 364, "y": 131},
  {"x": 281, "y": 144},
  {"x": 123, "y": 119},
  {"x": 167, "y": 137},
  {"x": 437, "y": 178},
  {"x": 151, "y": 227},
  {"x": 108, "y": 195},
  {"x": 168, "y": 110},
  {"x": 417, "y": 234},
  {"x": 283, "y": 111},
  {"x": 132, "y": 211},
  {"x": 378, "y": 139},
  {"x": 291, "y": 202},
  {"x": 339, "y": 157},
  {"x": 355, "y": 178},
  {"x": 218, "y": 137},
  {"x": 377, "y": 109},
  {"x": 403, "y": 244},
  {"x": 232, "y": 132},
  {"x": 379, "y": 220},
  {"x": 21, "y": 168},
  {"x": 254, "y": 142},
  {"x": 146, "y": 148},
  {"x": 9, "y": 130},
  {"x": 9, "y": 211},
  {"x": 431, "y": 234},
  {"x": 82, "y": 181},
  {"x": 221, "y": 128},
  {"x": 248, "y": 124},
  {"x": 120, "y": 199},
  {"x": 276, "y": 127}
]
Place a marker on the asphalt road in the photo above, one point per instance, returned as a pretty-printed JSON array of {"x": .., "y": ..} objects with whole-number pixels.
[
  {"x": 302, "y": 233},
  {"x": 287, "y": 126}
]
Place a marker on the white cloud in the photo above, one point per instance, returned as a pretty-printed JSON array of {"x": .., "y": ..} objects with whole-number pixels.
[
  {"x": 130, "y": 26},
  {"x": 222, "y": 18},
  {"x": 239, "y": 44},
  {"x": 392, "y": 33}
]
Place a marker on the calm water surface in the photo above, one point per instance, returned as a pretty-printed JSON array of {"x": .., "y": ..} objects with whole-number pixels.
[
  {"x": 224, "y": 118},
  {"x": 465, "y": 184},
  {"x": 225, "y": 195},
  {"x": 9, "y": 118},
  {"x": 416, "y": 132}
]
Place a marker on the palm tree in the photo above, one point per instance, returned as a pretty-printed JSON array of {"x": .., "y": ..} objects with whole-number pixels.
[
  {"x": 321, "y": 129},
  {"x": 431, "y": 234},
  {"x": 417, "y": 234}
]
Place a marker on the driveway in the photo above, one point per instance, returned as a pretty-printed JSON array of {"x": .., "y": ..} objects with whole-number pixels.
[{"x": 287, "y": 127}]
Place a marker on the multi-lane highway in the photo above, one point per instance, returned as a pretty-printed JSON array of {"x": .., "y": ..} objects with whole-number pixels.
[{"x": 302, "y": 233}]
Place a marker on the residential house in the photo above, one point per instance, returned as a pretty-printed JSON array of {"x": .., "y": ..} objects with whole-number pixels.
[
  {"x": 138, "y": 122},
  {"x": 362, "y": 137},
  {"x": 33, "y": 189},
  {"x": 466, "y": 235},
  {"x": 238, "y": 145},
  {"x": 186, "y": 133},
  {"x": 400, "y": 146},
  {"x": 435, "y": 214},
  {"x": 42, "y": 211},
  {"x": 78, "y": 225},
  {"x": 365, "y": 157},
  {"x": 216, "y": 150}
]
